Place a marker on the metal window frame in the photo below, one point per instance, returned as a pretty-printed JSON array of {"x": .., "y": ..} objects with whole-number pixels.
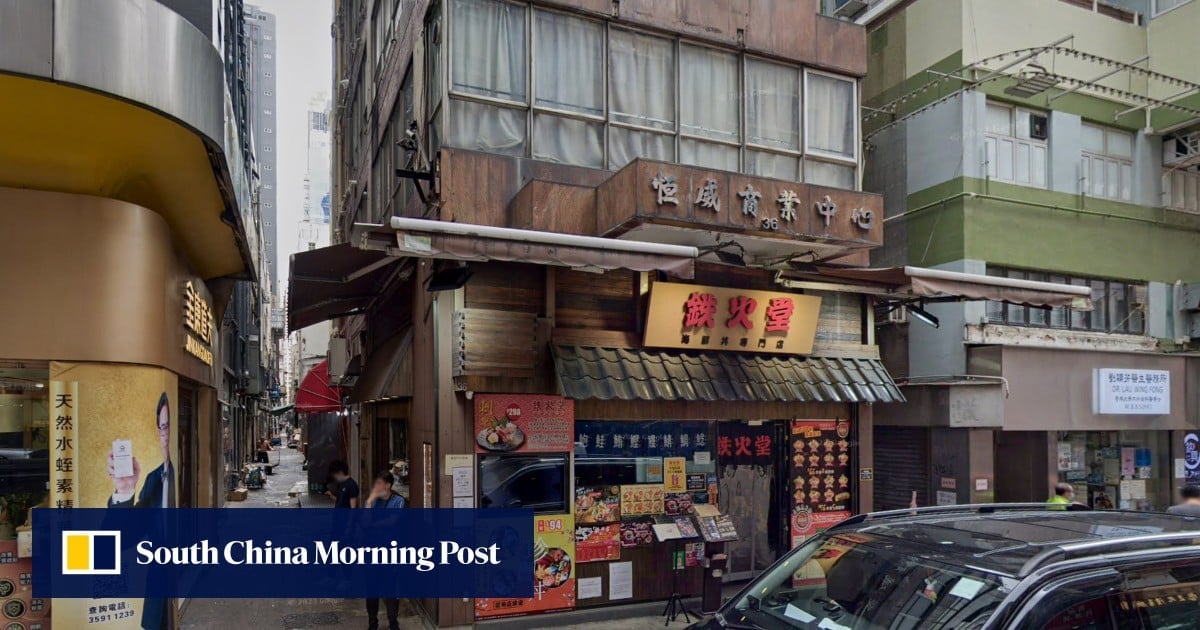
[
  {"x": 1111, "y": 326},
  {"x": 830, "y": 156}
]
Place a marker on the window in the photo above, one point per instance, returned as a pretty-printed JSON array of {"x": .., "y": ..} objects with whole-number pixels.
[
  {"x": 1117, "y": 307},
  {"x": 25, "y": 426},
  {"x": 268, "y": 56},
  {"x": 268, "y": 74},
  {"x": 1107, "y": 166},
  {"x": 1011, "y": 154},
  {"x": 1181, "y": 189},
  {"x": 703, "y": 106},
  {"x": 538, "y": 482},
  {"x": 568, "y": 121},
  {"x": 267, "y": 112},
  {"x": 1162, "y": 6},
  {"x": 267, "y": 93},
  {"x": 267, "y": 149},
  {"x": 267, "y": 129}
]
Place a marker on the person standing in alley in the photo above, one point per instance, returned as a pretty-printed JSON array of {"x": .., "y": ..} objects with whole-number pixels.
[
  {"x": 345, "y": 494},
  {"x": 1064, "y": 494},
  {"x": 383, "y": 497}
]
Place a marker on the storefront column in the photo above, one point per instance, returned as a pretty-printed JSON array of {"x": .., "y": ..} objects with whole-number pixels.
[{"x": 865, "y": 428}]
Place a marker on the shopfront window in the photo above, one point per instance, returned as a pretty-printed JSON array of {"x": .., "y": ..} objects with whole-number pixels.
[
  {"x": 1127, "y": 470},
  {"x": 24, "y": 443}
]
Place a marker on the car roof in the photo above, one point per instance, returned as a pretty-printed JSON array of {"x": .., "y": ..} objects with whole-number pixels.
[{"x": 1016, "y": 539}]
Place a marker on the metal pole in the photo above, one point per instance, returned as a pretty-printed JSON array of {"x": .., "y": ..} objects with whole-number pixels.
[{"x": 1099, "y": 78}]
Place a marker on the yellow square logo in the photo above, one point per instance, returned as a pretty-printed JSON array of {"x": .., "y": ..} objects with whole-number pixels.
[{"x": 91, "y": 552}]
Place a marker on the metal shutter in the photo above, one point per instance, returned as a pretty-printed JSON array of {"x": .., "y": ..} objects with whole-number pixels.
[{"x": 901, "y": 466}]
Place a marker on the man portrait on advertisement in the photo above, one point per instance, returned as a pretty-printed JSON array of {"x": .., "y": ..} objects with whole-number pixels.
[{"x": 158, "y": 491}]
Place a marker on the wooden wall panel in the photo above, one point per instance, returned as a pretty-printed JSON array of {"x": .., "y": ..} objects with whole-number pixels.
[
  {"x": 596, "y": 301},
  {"x": 651, "y": 568},
  {"x": 553, "y": 207},
  {"x": 506, "y": 287},
  {"x": 494, "y": 343}
]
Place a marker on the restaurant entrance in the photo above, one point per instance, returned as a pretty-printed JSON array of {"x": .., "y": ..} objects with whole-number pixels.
[{"x": 752, "y": 489}]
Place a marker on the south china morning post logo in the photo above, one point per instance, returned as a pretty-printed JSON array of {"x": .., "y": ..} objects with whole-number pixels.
[
  {"x": 216, "y": 553},
  {"x": 91, "y": 552}
]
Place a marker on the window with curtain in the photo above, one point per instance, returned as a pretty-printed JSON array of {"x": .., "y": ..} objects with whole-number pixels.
[
  {"x": 829, "y": 113},
  {"x": 648, "y": 62},
  {"x": 772, "y": 120},
  {"x": 710, "y": 108},
  {"x": 489, "y": 60},
  {"x": 569, "y": 86}
]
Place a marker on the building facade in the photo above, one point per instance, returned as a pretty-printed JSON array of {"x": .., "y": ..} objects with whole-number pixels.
[
  {"x": 260, "y": 85},
  {"x": 1055, "y": 144},
  {"x": 144, "y": 179},
  {"x": 520, "y": 240}
]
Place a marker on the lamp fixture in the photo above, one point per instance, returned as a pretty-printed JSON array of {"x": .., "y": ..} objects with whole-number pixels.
[
  {"x": 449, "y": 278},
  {"x": 723, "y": 253},
  {"x": 923, "y": 315}
]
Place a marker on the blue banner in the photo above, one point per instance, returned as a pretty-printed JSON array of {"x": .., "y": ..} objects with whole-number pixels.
[
  {"x": 282, "y": 553},
  {"x": 642, "y": 439}
]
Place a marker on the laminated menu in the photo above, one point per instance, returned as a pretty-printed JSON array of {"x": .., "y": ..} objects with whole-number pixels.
[{"x": 717, "y": 528}]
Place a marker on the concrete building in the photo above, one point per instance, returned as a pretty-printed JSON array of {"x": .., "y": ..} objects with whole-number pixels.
[
  {"x": 126, "y": 229},
  {"x": 260, "y": 85},
  {"x": 1038, "y": 141}
]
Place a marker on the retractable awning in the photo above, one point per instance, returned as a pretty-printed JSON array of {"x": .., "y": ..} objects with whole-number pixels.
[
  {"x": 333, "y": 282},
  {"x": 315, "y": 394},
  {"x": 378, "y": 378},
  {"x": 466, "y": 242},
  {"x": 937, "y": 285},
  {"x": 587, "y": 372}
]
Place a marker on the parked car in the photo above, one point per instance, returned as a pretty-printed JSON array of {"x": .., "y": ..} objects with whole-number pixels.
[{"x": 983, "y": 567}]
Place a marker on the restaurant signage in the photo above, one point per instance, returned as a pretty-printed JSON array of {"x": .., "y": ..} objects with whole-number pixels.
[
  {"x": 699, "y": 317},
  {"x": 525, "y": 423},
  {"x": 1131, "y": 392},
  {"x": 198, "y": 324}
]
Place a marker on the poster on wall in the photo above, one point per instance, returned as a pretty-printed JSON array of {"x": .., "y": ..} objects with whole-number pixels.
[
  {"x": 21, "y": 610},
  {"x": 124, "y": 455},
  {"x": 599, "y": 504},
  {"x": 820, "y": 476},
  {"x": 507, "y": 423},
  {"x": 642, "y": 498},
  {"x": 637, "y": 531},
  {"x": 596, "y": 543},
  {"x": 553, "y": 572},
  {"x": 1191, "y": 458}
]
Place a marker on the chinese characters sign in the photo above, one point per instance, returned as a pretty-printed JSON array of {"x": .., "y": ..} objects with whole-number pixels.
[
  {"x": 744, "y": 444},
  {"x": 642, "y": 439},
  {"x": 1133, "y": 392},
  {"x": 198, "y": 321},
  {"x": 518, "y": 422},
  {"x": 715, "y": 318},
  {"x": 64, "y": 405}
]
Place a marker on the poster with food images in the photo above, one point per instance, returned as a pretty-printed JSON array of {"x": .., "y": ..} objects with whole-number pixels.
[
  {"x": 506, "y": 423},
  {"x": 637, "y": 531},
  {"x": 642, "y": 499},
  {"x": 821, "y": 482},
  {"x": 553, "y": 572},
  {"x": 596, "y": 543},
  {"x": 597, "y": 504}
]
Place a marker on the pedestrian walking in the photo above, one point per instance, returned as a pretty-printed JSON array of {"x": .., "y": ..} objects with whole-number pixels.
[
  {"x": 346, "y": 488},
  {"x": 383, "y": 497},
  {"x": 1064, "y": 495},
  {"x": 1190, "y": 506}
]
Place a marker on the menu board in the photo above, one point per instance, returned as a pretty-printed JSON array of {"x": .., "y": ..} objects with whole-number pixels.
[
  {"x": 641, "y": 499},
  {"x": 717, "y": 528},
  {"x": 637, "y": 531},
  {"x": 820, "y": 476},
  {"x": 598, "y": 504},
  {"x": 524, "y": 423},
  {"x": 597, "y": 543},
  {"x": 553, "y": 573}
]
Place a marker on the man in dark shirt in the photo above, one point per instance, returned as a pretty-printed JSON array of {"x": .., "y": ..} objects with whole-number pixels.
[
  {"x": 347, "y": 489},
  {"x": 1191, "y": 502}
]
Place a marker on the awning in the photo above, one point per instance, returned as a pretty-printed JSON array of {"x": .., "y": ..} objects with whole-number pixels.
[
  {"x": 587, "y": 372},
  {"x": 315, "y": 395},
  {"x": 279, "y": 411},
  {"x": 379, "y": 374},
  {"x": 332, "y": 282},
  {"x": 460, "y": 241},
  {"x": 940, "y": 285}
]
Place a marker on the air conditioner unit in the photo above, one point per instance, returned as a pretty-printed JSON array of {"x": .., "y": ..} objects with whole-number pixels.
[
  {"x": 1038, "y": 126},
  {"x": 848, "y": 8}
]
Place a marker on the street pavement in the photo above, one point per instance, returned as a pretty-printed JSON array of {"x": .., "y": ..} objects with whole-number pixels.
[{"x": 331, "y": 614}]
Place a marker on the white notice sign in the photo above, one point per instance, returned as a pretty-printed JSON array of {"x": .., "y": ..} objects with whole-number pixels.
[
  {"x": 1131, "y": 392},
  {"x": 620, "y": 580},
  {"x": 590, "y": 588}
]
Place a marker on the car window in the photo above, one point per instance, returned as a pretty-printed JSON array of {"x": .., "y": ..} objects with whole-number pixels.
[
  {"x": 850, "y": 581},
  {"x": 1162, "y": 599}
]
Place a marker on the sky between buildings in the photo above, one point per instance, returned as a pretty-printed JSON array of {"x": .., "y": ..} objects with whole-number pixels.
[{"x": 303, "y": 56}]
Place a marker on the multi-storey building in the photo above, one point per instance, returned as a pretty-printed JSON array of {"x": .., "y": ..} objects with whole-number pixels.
[
  {"x": 260, "y": 85},
  {"x": 600, "y": 223},
  {"x": 1039, "y": 141},
  {"x": 125, "y": 226},
  {"x": 310, "y": 345}
]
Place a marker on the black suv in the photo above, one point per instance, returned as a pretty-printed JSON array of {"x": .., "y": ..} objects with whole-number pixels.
[{"x": 981, "y": 567}]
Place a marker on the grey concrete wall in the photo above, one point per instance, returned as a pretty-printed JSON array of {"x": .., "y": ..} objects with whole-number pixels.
[
  {"x": 940, "y": 351},
  {"x": 1065, "y": 143},
  {"x": 974, "y": 107},
  {"x": 933, "y": 140},
  {"x": 1147, "y": 170}
]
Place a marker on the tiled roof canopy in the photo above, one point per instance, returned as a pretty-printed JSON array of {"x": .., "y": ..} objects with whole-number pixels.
[{"x": 586, "y": 372}]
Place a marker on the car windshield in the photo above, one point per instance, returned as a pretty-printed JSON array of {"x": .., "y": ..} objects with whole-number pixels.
[{"x": 860, "y": 582}]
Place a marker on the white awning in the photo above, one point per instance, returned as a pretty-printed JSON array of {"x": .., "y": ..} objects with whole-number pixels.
[{"x": 461, "y": 241}]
